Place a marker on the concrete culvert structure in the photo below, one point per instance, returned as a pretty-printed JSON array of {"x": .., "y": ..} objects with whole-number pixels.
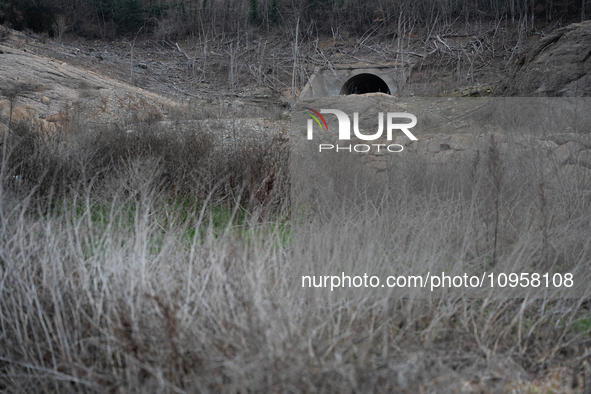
[
  {"x": 365, "y": 83},
  {"x": 349, "y": 79}
]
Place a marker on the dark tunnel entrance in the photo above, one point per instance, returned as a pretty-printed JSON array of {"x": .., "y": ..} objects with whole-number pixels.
[{"x": 365, "y": 83}]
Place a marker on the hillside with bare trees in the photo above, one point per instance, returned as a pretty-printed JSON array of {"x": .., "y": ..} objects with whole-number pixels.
[{"x": 273, "y": 46}]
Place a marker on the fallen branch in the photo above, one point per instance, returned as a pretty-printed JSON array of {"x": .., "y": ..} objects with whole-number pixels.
[
  {"x": 183, "y": 52},
  {"x": 444, "y": 43}
]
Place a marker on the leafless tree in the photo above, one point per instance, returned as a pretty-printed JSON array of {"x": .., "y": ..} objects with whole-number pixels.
[{"x": 59, "y": 26}]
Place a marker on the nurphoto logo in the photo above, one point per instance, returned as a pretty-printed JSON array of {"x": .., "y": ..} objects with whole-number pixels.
[{"x": 344, "y": 131}]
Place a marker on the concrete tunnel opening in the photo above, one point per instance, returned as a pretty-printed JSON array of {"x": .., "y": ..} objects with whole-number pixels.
[{"x": 365, "y": 83}]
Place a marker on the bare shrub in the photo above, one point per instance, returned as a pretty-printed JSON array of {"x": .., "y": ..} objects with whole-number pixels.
[
  {"x": 59, "y": 26},
  {"x": 193, "y": 161}
]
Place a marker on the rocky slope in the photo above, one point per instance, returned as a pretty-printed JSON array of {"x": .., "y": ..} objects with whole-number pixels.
[
  {"x": 49, "y": 91},
  {"x": 559, "y": 65}
]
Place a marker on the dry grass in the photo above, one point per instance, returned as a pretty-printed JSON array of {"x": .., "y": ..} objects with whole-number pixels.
[{"x": 154, "y": 261}]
